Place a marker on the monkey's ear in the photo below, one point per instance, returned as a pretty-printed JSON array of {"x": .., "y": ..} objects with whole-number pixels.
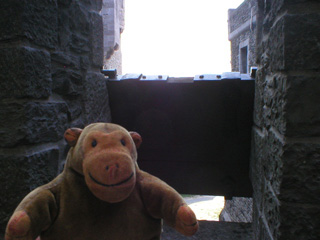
[
  {"x": 71, "y": 135},
  {"x": 136, "y": 138}
]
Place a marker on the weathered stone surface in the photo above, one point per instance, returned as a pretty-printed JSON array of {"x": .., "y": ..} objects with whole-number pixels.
[
  {"x": 21, "y": 172},
  {"x": 96, "y": 39},
  {"x": 74, "y": 109},
  {"x": 299, "y": 221},
  {"x": 66, "y": 60},
  {"x": 31, "y": 122},
  {"x": 95, "y": 98},
  {"x": 257, "y": 157},
  {"x": 74, "y": 28},
  {"x": 95, "y": 5},
  {"x": 306, "y": 38},
  {"x": 64, "y": 3},
  {"x": 301, "y": 178},
  {"x": 271, "y": 209},
  {"x": 274, "y": 48},
  {"x": 64, "y": 30},
  {"x": 79, "y": 20},
  {"x": 79, "y": 44},
  {"x": 67, "y": 82},
  {"x": 213, "y": 230},
  {"x": 274, "y": 99},
  {"x": 303, "y": 106},
  {"x": 238, "y": 209},
  {"x": 25, "y": 72},
  {"x": 31, "y": 19}
]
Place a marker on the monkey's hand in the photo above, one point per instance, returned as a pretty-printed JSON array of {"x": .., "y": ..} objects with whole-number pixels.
[{"x": 186, "y": 221}]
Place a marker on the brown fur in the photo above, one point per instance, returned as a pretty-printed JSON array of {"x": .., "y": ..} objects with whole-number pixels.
[{"x": 101, "y": 194}]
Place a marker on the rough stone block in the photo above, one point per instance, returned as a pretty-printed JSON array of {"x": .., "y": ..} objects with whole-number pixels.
[
  {"x": 303, "y": 106},
  {"x": 20, "y": 173},
  {"x": 274, "y": 102},
  {"x": 31, "y": 122},
  {"x": 67, "y": 82},
  {"x": 258, "y": 99},
  {"x": 302, "y": 51},
  {"x": 96, "y": 39},
  {"x": 238, "y": 209},
  {"x": 31, "y": 19},
  {"x": 257, "y": 157},
  {"x": 64, "y": 3},
  {"x": 79, "y": 44},
  {"x": 301, "y": 168},
  {"x": 74, "y": 109},
  {"x": 271, "y": 209},
  {"x": 95, "y": 5},
  {"x": 65, "y": 60},
  {"x": 25, "y": 73},
  {"x": 74, "y": 28},
  {"x": 299, "y": 221},
  {"x": 79, "y": 18},
  {"x": 95, "y": 98},
  {"x": 272, "y": 163},
  {"x": 274, "y": 46}
]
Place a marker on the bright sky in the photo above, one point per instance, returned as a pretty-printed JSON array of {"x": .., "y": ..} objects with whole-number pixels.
[{"x": 179, "y": 38}]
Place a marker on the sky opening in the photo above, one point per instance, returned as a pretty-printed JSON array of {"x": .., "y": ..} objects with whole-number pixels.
[{"x": 179, "y": 38}]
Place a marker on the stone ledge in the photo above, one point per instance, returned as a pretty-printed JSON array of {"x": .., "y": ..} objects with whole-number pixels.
[{"x": 214, "y": 231}]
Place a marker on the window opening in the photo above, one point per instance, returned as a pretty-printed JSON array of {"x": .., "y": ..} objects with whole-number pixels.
[
  {"x": 205, "y": 207},
  {"x": 244, "y": 59}
]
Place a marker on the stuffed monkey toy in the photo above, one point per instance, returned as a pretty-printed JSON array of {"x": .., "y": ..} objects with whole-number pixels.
[{"x": 101, "y": 194}]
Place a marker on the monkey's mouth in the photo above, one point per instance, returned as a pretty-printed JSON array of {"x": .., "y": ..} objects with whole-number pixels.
[{"x": 111, "y": 185}]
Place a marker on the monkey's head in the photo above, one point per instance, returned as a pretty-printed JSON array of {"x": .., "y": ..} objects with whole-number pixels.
[{"x": 105, "y": 154}]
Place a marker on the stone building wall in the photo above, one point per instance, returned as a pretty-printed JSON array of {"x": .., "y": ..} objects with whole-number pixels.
[
  {"x": 286, "y": 148},
  {"x": 113, "y": 19},
  {"x": 242, "y": 33},
  {"x": 51, "y": 52}
]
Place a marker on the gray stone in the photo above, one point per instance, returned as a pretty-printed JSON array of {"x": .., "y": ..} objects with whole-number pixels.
[
  {"x": 271, "y": 209},
  {"x": 25, "y": 72},
  {"x": 303, "y": 106},
  {"x": 65, "y": 60},
  {"x": 95, "y": 98},
  {"x": 96, "y": 39},
  {"x": 67, "y": 82},
  {"x": 64, "y": 30},
  {"x": 21, "y": 172},
  {"x": 31, "y": 19},
  {"x": 95, "y": 5},
  {"x": 302, "y": 41},
  {"x": 238, "y": 209},
  {"x": 213, "y": 230},
  {"x": 74, "y": 109},
  {"x": 31, "y": 122},
  {"x": 79, "y": 20},
  {"x": 301, "y": 179},
  {"x": 299, "y": 221},
  {"x": 79, "y": 44}
]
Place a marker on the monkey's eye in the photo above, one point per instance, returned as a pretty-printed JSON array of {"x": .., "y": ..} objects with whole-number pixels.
[
  {"x": 94, "y": 143},
  {"x": 123, "y": 142}
]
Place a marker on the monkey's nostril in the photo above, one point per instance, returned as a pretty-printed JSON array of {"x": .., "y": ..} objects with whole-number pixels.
[{"x": 112, "y": 166}]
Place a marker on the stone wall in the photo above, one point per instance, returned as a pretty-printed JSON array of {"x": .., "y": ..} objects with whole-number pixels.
[
  {"x": 51, "y": 52},
  {"x": 238, "y": 209},
  {"x": 286, "y": 136},
  {"x": 242, "y": 31},
  {"x": 113, "y": 19}
]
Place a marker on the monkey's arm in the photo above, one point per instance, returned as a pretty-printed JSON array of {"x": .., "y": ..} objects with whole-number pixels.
[
  {"x": 33, "y": 215},
  {"x": 162, "y": 201}
]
